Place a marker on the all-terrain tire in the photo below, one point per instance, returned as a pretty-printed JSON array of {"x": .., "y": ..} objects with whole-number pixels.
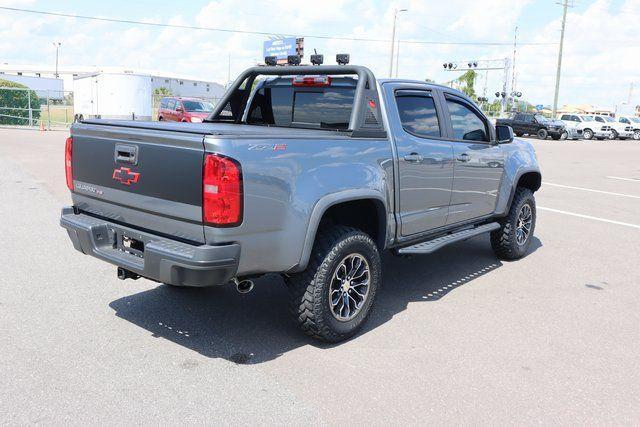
[
  {"x": 503, "y": 240},
  {"x": 309, "y": 290}
]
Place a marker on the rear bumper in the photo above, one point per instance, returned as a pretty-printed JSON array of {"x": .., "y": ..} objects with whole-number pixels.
[{"x": 163, "y": 260}]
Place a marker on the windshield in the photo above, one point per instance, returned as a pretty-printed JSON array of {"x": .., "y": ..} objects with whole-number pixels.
[
  {"x": 198, "y": 106},
  {"x": 587, "y": 118},
  {"x": 635, "y": 119},
  {"x": 608, "y": 119},
  {"x": 542, "y": 119}
]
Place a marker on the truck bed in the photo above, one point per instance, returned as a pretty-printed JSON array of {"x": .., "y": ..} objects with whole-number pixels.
[{"x": 223, "y": 129}]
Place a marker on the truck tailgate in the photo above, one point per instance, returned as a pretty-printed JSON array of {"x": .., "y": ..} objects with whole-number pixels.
[{"x": 146, "y": 178}]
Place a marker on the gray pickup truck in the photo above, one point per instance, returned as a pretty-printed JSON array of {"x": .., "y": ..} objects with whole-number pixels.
[{"x": 306, "y": 171}]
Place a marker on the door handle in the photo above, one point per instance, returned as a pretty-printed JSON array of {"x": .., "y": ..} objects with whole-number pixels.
[
  {"x": 464, "y": 157},
  {"x": 413, "y": 157}
]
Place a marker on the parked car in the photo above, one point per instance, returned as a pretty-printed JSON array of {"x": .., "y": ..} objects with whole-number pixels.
[
  {"x": 634, "y": 122},
  {"x": 571, "y": 131},
  {"x": 192, "y": 110},
  {"x": 308, "y": 176},
  {"x": 534, "y": 124},
  {"x": 618, "y": 130},
  {"x": 588, "y": 125}
]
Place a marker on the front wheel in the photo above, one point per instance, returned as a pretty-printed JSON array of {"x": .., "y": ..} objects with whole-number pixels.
[
  {"x": 512, "y": 240},
  {"x": 636, "y": 135},
  {"x": 613, "y": 134},
  {"x": 564, "y": 136},
  {"x": 542, "y": 134},
  {"x": 332, "y": 298},
  {"x": 587, "y": 134}
]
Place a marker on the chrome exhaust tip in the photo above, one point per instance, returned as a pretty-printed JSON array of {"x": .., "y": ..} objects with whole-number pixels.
[{"x": 243, "y": 286}]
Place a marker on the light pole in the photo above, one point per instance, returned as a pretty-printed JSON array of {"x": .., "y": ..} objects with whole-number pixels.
[
  {"x": 57, "y": 45},
  {"x": 393, "y": 39}
]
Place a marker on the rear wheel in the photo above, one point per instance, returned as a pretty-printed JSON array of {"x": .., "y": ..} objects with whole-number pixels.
[
  {"x": 332, "y": 298},
  {"x": 613, "y": 134},
  {"x": 636, "y": 135},
  {"x": 564, "y": 135},
  {"x": 542, "y": 134},
  {"x": 512, "y": 240}
]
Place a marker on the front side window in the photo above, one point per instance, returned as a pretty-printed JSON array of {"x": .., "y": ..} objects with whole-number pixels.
[
  {"x": 467, "y": 124},
  {"x": 418, "y": 115},
  {"x": 599, "y": 119}
]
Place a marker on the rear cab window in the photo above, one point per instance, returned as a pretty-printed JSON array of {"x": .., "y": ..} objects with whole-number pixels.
[{"x": 279, "y": 103}]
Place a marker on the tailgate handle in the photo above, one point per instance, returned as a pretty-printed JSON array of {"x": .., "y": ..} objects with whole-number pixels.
[{"x": 126, "y": 154}]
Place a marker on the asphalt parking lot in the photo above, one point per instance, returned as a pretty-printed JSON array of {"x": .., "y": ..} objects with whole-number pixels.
[{"x": 457, "y": 337}]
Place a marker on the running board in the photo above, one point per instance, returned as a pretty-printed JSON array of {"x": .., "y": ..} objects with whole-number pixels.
[{"x": 433, "y": 245}]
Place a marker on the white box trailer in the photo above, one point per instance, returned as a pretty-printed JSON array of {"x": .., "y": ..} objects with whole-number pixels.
[{"x": 112, "y": 96}]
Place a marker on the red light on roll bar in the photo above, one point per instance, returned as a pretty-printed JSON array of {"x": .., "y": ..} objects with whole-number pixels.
[{"x": 312, "y": 81}]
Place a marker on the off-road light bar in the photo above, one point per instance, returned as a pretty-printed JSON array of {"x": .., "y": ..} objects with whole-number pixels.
[
  {"x": 293, "y": 59},
  {"x": 342, "y": 58},
  {"x": 317, "y": 59},
  {"x": 271, "y": 60}
]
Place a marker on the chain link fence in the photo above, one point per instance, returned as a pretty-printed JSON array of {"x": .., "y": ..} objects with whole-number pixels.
[{"x": 41, "y": 108}]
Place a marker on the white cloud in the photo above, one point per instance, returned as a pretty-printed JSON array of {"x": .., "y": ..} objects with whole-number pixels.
[{"x": 601, "y": 49}]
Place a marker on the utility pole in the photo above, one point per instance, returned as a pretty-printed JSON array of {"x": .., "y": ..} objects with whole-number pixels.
[
  {"x": 57, "y": 45},
  {"x": 393, "y": 39},
  {"x": 398, "y": 59},
  {"x": 565, "y": 5},
  {"x": 630, "y": 93},
  {"x": 513, "y": 61}
]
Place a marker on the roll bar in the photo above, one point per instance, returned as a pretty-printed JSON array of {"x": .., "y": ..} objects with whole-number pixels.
[{"x": 365, "y": 89}]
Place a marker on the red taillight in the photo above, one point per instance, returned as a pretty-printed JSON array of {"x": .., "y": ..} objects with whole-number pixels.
[
  {"x": 312, "y": 81},
  {"x": 221, "y": 191},
  {"x": 68, "y": 169}
]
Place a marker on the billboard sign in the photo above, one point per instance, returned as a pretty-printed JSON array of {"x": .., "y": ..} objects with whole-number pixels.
[{"x": 280, "y": 48}]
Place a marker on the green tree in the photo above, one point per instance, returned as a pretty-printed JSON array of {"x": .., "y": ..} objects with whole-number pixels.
[
  {"x": 15, "y": 99},
  {"x": 467, "y": 82},
  {"x": 162, "y": 91}
]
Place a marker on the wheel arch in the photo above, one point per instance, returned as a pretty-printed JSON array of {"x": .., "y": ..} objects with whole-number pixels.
[{"x": 346, "y": 208}]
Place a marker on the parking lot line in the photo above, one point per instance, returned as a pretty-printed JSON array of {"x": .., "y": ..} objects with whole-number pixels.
[
  {"x": 625, "y": 179},
  {"x": 591, "y": 190},
  {"x": 595, "y": 218}
]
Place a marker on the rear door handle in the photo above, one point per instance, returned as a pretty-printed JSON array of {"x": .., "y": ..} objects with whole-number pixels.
[
  {"x": 464, "y": 157},
  {"x": 413, "y": 157}
]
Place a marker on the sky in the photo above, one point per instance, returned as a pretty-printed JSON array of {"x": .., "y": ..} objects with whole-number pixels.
[{"x": 601, "y": 51}]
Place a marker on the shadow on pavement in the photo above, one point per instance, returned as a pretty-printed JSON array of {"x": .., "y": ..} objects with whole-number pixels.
[{"x": 256, "y": 327}]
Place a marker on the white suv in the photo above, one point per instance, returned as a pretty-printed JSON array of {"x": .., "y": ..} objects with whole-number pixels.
[
  {"x": 618, "y": 130},
  {"x": 633, "y": 122},
  {"x": 588, "y": 125}
]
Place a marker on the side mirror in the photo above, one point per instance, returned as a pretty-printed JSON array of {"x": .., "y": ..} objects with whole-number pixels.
[{"x": 504, "y": 134}]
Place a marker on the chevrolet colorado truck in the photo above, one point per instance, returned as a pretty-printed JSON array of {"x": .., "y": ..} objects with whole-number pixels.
[
  {"x": 305, "y": 171},
  {"x": 534, "y": 124}
]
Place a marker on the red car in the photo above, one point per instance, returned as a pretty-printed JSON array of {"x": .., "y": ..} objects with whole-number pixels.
[{"x": 175, "y": 109}]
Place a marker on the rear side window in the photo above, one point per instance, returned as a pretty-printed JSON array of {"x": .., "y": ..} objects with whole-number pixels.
[
  {"x": 418, "y": 115},
  {"x": 467, "y": 124},
  {"x": 163, "y": 103},
  {"x": 519, "y": 118}
]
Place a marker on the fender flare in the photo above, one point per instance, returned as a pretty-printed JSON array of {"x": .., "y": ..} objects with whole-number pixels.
[
  {"x": 318, "y": 212},
  {"x": 515, "y": 185}
]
